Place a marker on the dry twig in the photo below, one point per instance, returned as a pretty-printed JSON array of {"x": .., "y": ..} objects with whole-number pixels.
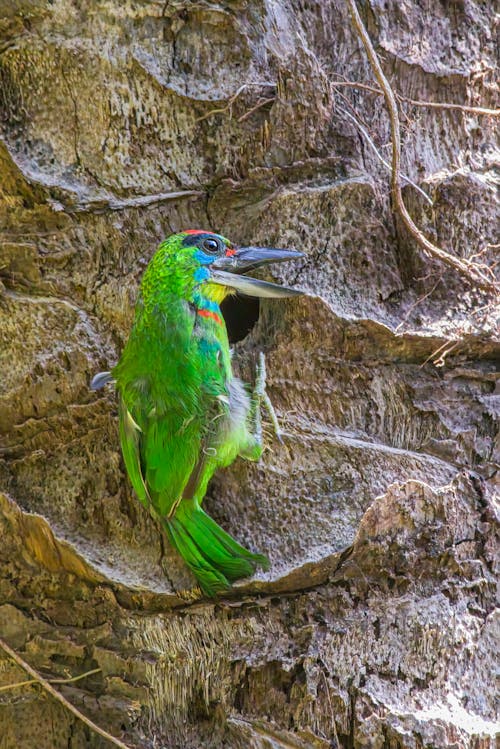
[
  {"x": 415, "y": 305},
  {"x": 70, "y": 680},
  {"x": 370, "y": 142},
  {"x": 470, "y": 270},
  {"x": 229, "y": 105},
  {"x": 443, "y": 351},
  {"x": 58, "y": 696},
  {"x": 483, "y": 111},
  {"x": 261, "y": 103}
]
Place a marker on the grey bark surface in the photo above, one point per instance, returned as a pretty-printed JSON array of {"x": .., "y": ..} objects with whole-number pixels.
[{"x": 376, "y": 625}]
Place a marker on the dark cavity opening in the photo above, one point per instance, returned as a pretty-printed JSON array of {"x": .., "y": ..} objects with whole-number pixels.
[{"x": 240, "y": 313}]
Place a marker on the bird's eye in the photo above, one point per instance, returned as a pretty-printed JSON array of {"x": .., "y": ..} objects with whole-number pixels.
[{"x": 211, "y": 246}]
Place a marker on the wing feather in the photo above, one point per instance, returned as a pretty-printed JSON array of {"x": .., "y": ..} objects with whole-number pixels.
[{"x": 130, "y": 437}]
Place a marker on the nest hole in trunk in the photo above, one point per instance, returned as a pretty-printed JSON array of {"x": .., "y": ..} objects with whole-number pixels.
[{"x": 241, "y": 314}]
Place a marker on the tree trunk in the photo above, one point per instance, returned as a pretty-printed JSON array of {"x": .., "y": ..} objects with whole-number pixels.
[{"x": 375, "y": 626}]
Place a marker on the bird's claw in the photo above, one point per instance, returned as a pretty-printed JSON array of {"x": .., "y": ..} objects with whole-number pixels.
[
  {"x": 260, "y": 377},
  {"x": 260, "y": 394}
]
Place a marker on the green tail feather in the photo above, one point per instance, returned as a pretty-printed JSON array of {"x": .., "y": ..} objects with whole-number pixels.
[
  {"x": 211, "y": 581},
  {"x": 213, "y": 556}
]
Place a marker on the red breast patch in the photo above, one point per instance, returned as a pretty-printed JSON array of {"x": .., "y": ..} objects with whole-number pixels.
[{"x": 210, "y": 314}]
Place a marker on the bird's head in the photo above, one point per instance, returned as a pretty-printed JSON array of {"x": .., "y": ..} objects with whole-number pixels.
[{"x": 220, "y": 267}]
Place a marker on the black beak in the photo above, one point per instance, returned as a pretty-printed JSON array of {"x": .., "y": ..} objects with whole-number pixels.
[{"x": 225, "y": 269}]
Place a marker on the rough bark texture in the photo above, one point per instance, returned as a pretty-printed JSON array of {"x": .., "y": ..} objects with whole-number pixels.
[{"x": 375, "y": 626}]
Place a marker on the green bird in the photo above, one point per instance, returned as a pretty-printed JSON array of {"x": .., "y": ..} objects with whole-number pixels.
[{"x": 182, "y": 412}]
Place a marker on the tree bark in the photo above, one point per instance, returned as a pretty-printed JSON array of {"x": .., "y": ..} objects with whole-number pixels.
[{"x": 376, "y": 624}]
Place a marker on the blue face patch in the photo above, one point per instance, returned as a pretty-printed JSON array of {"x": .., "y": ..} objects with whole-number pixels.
[
  {"x": 201, "y": 274},
  {"x": 203, "y": 258}
]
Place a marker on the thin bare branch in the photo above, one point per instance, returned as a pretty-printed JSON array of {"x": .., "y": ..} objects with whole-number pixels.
[
  {"x": 229, "y": 105},
  {"x": 355, "y": 84},
  {"x": 70, "y": 680},
  {"x": 259, "y": 104},
  {"x": 58, "y": 696},
  {"x": 385, "y": 163},
  {"x": 468, "y": 269},
  {"x": 101, "y": 204},
  {"x": 483, "y": 111},
  {"x": 443, "y": 351},
  {"x": 415, "y": 304}
]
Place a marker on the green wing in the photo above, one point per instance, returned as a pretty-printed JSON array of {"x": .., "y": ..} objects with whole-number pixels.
[
  {"x": 160, "y": 455},
  {"x": 130, "y": 438}
]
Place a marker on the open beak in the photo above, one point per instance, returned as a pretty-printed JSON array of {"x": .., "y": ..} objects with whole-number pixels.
[{"x": 225, "y": 271}]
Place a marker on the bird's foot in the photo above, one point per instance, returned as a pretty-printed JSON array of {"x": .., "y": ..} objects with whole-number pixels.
[{"x": 261, "y": 396}]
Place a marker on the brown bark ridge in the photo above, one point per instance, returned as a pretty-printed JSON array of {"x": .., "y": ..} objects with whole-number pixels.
[{"x": 376, "y": 624}]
